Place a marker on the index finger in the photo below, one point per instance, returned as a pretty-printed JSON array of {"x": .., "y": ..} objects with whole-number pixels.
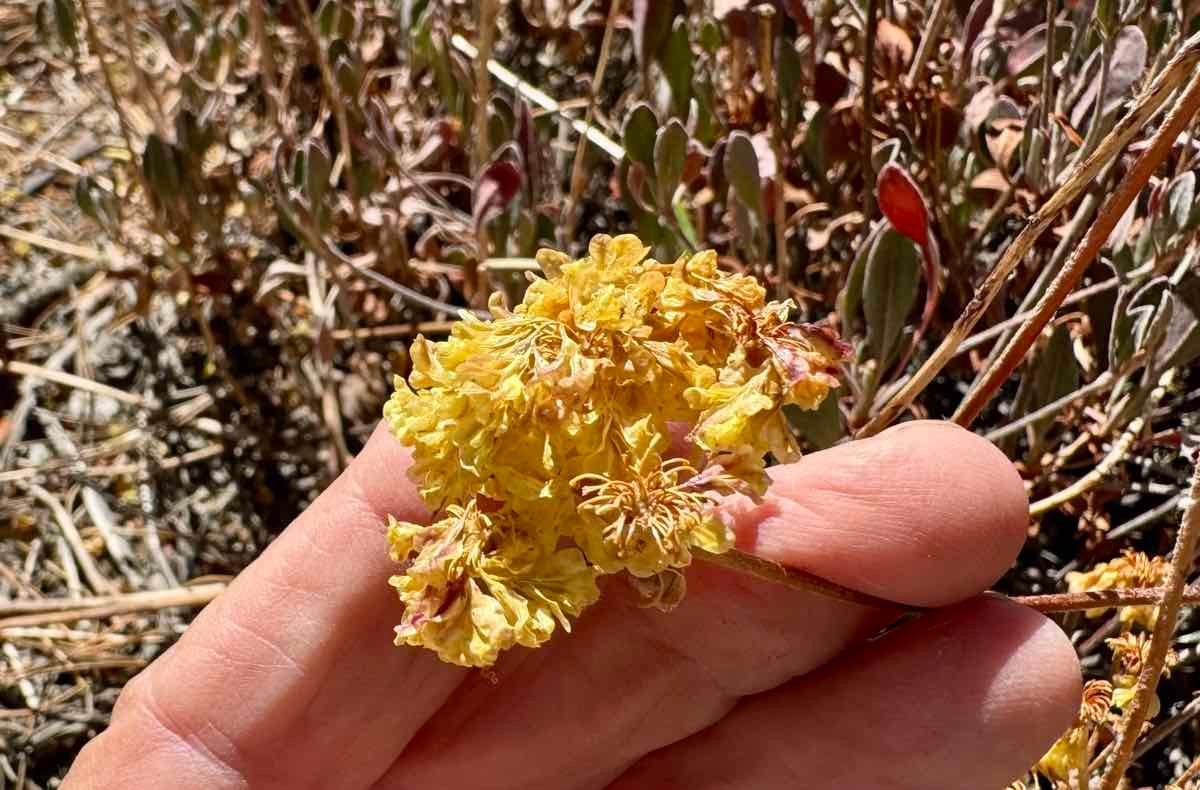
[{"x": 280, "y": 673}]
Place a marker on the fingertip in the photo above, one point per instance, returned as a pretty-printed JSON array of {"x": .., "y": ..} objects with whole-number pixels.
[
  {"x": 986, "y": 476},
  {"x": 1038, "y": 688},
  {"x": 926, "y": 514}
]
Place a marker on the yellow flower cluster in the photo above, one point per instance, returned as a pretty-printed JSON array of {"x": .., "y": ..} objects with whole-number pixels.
[
  {"x": 1066, "y": 763},
  {"x": 541, "y": 439},
  {"x": 1131, "y": 570}
]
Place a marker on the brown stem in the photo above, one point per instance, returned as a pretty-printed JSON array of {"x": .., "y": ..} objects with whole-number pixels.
[
  {"x": 1128, "y": 189},
  {"x": 766, "y": 68},
  {"x": 1173, "y": 595},
  {"x": 487, "y": 11},
  {"x": 804, "y": 581},
  {"x": 794, "y": 578}
]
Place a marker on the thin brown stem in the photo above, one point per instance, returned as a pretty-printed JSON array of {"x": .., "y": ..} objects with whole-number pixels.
[
  {"x": 766, "y": 68},
  {"x": 267, "y": 69},
  {"x": 804, "y": 581},
  {"x": 1118, "y": 453},
  {"x": 794, "y": 578},
  {"x": 1048, "y": 65},
  {"x": 1179, "y": 70},
  {"x": 1173, "y": 595}
]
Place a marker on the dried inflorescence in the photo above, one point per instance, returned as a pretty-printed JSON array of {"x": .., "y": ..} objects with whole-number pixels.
[
  {"x": 1067, "y": 762},
  {"x": 541, "y": 439},
  {"x": 1131, "y": 570}
]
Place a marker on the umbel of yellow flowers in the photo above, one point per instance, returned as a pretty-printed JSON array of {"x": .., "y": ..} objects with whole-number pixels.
[{"x": 540, "y": 439}]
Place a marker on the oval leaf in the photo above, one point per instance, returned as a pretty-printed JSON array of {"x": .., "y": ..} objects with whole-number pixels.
[
  {"x": 890, "y": 281},
  {"x": 741, "y": 170},
  {"x": 651, "y": 26},
  {"x": 901, "y": 202},
  {"x": 638, "y": 134},
  {"x": 670, "y": 153}
]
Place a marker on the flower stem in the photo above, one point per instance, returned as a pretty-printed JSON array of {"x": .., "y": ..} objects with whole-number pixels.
[
  {"x": 792, "y": 577},
  {"x": 796, "y": 579}
]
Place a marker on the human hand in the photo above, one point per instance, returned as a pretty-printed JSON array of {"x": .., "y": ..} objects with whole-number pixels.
[{"x": 290, "y": 680}]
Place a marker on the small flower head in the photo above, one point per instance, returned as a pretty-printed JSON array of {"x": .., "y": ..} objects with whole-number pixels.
[
  {"x": 1130, "y": 653},
  {"x": 647, "y": 524},
  {"x": 540, "y": 437},
  {"x": 1131, "y": 570}
]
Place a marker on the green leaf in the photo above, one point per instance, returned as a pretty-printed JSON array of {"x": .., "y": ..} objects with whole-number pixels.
[
  {"x": 1132, "y": 315},
  {"x": 821, "y": 427},
  {"x": 161, "y": 169},
  {"x": 685, "y": 224},
  {"x": 670, "y": 154},
  {"x": 1174, "y": 218},
  {"x": 816, "y": 144},
  {"x": 318, "y": 167},
  {"x": 66, "y": 24},
  {"x": 1056, "y": 373},
  {"x": 741, "y": 170},
  {"x": 850, "y": 298},
  {"x": 890, "y": 281},
  {"x": 1181, "y": 344},
  {"x": 790, "y": 77},
  {"x": 677, "y": 63},
  {"x": 710, "y": 35},
  {"x": 651, "y": 26},
  {"x": 639, "y": 133}
]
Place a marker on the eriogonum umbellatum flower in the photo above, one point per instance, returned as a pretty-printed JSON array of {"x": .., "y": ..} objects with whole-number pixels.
[{"x": 540, "y": 438}]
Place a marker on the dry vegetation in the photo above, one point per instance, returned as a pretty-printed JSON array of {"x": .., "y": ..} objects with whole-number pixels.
[{"x": 220, "y": 222}]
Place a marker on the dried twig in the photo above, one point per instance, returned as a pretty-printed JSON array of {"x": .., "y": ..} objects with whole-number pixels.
[
  {"x": 60, "y": 610},
  {"x": 54, "y": 245},
  {"x": 1116, "y": 455},
  {"x": 18, "y": 368},
  {"x": 70, "y": 532},
  {"x": 541, "y": 99},
  {"x": 868, "y": 101},
  {"x": 804, "y": 581}
]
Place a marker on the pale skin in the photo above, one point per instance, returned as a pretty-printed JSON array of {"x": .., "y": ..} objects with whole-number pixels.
[{"x": 290, "y": 680}]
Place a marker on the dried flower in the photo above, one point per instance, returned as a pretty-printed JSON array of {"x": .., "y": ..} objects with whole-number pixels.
[
  {"x": 1130, "y": 652},
  {"x": 1131, "y": 570},
  {"x": 540, "y": 439},
  {"x": 1071, "y": 752}
]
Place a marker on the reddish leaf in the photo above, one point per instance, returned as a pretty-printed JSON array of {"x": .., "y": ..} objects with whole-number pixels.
[
  {"x": 498, "y": 185},
  {"x": 901, "y": 202}
]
